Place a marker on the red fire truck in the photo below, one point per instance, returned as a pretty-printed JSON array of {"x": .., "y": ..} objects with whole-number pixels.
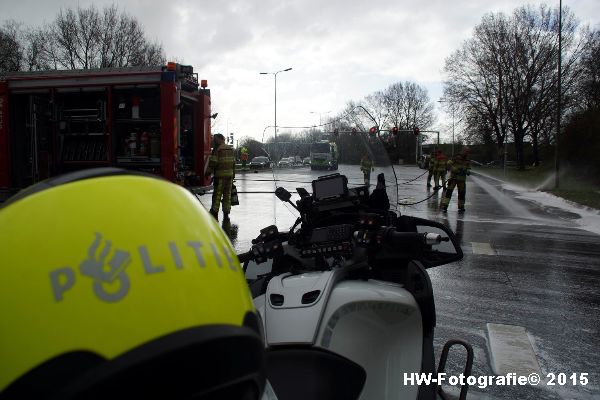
[{"x": 152, "y": 119}]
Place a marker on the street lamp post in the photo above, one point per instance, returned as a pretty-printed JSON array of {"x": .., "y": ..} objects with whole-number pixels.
[
  {"x": 452, "y": 107},
  {"x": 275, "y": 75},
  {"x": 558, "y": 108}
]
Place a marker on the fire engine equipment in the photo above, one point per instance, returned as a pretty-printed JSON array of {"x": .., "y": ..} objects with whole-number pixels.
[
  {"x": 132, "y": 143},
  {"x": 90, "y": 123}
]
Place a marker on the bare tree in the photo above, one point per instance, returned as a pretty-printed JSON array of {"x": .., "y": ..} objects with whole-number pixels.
[
  {"x": 407, "y": 105},
  {"x": 506, "y": 73},
  {"x": 42, "y": 43},
  {"x": 89, "y": 38},
  {"x": 64, "y": 32},
  {"x": 80, "y": 38},
  {"x": 11, "y": 50},
  {"x": 476, "y": 84},
  {"x": 402, "y": 104},
  {"x": 589, "y": 84},
  {"x": 373, "y": 111},
  {"x": 477, "y": 129}
]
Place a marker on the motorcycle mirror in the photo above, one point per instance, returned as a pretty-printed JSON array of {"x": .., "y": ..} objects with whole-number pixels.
[
  {"x": 282, "y": 194},
  {"x": 285, "y": 196},
  {"x": 302, "y": 192}
]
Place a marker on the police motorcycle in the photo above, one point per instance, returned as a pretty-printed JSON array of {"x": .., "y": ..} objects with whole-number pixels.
[{"x": 346, "y": 303}]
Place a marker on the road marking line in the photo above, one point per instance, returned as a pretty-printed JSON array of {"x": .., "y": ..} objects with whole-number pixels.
[
  {"x": 483, "y": 248},
  {"x": 511, "y": 350}
]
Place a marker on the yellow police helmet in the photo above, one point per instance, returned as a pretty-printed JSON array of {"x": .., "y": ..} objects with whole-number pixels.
[{"x": 115, "y": 283}]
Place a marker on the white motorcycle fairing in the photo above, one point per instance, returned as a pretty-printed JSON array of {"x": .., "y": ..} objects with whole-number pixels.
[{"x": 374, "y": 324}]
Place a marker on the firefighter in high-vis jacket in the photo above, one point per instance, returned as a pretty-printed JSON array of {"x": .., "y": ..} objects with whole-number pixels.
[
  {"x": 459, "y": 168},
  {"x": 366, "y": 166},
  {"x": 440, "y": 165},
  {"x": 244, "y": 157},
  {"x": 222, "y": 166}
]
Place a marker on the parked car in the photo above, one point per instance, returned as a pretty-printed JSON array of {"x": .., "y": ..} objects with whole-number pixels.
[
  {"x": 260, "y": 162},
  {"x": 422, "y": 162},
  {"x": 297, "y": 161},
  {"x": 306, "y": 161},
  {"x": 286, "y": 162}
]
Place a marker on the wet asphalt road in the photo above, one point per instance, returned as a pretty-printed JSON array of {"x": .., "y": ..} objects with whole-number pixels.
[{"x": 542, "y": 273}]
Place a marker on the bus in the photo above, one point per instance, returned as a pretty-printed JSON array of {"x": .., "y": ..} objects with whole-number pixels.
[{"x": 323, "y": 155}]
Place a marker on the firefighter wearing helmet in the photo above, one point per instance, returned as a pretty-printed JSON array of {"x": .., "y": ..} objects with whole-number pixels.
[
  {"x": 366, "y": 166},
  {"x": 222, "y": 166},
  {"x": 116, "y": 285},
  {"x": 459, "y": 168},
  {"x": 244, "y": 157}
]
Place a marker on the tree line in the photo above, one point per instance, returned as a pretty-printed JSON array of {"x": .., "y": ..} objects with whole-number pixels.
[
  {"x": 503, "y": 80},
  {"x": 78, "y": 38}
]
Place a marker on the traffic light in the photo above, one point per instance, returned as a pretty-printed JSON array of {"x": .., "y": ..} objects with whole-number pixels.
[
  {"x": 416, "y": 131},
  {"x": 373, "y": 130},
  {"x": 395, "y": 131},
  {"x": 231, "y": 138}
]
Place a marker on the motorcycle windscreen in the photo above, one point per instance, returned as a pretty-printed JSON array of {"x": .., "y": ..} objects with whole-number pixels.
[
  {"x": 294, "y": 160},
  {"x": 299, "y": 159}
]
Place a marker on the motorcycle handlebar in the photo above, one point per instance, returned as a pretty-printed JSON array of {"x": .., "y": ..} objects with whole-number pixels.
[
  {"x": 394, "y": 237},
  {"x": 244, "y": 257},
  {"x": 390, "y": 236}
]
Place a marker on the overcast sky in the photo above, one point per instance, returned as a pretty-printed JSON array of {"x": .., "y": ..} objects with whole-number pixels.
[{"x": 339, "y": 50}]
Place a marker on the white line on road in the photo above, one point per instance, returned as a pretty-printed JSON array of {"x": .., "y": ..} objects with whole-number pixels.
[
  {"x": 483, "y": 248},
  {"x": 511, "y": 350}
]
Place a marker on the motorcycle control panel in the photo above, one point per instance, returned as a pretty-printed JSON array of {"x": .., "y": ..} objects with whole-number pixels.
[{"x": 329, "y": 241}]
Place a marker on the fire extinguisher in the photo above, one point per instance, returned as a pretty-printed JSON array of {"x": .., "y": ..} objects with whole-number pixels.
[{"x": 144, "y": 143}]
